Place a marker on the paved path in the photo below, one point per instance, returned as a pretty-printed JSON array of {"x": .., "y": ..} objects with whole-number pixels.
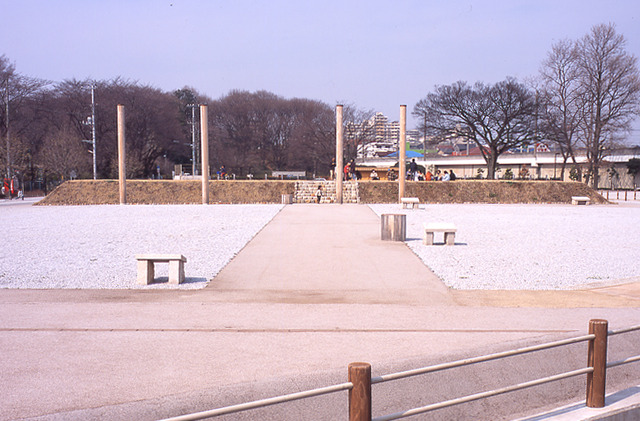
[
  {"x": 328, "y": 254},
  {"x": 314, "y": 290}
]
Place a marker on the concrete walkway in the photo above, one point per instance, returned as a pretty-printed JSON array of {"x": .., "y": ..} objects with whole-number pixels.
[
  {"x": 315, "y": 290},
  {"x": 328, "y": 254}
]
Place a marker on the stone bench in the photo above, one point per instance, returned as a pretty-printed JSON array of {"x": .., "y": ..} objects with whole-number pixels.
[
  {"x": 580, "y": 200},
  {"x": 413, "y": 201},
  {"x": 146, "y": 271},
  {"x": 431, "y": 228}
]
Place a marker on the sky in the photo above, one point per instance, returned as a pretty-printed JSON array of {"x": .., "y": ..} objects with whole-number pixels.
[{"x": 373, "y": 54}]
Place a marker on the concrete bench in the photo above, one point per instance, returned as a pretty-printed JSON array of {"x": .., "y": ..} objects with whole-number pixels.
[
  {"x": 413, "y": 201},
  {"x": 431, "y": 228},
  {"x": 580, "y": 200},
  {"x": 146, "y": 271}
]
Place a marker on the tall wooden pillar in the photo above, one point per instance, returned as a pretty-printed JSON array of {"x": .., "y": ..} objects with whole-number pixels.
[
  {"x": 122, "y": 171},
  {"x": 339, "y": 153},
  {"x": 204, "y": 135},
  {"x": 402, "y": 154}
]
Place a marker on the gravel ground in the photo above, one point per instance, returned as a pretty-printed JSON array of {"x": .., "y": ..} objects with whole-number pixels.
[
  {"x": 94, "y": 246},
  {"x": 524, "y": 247},
  {"x": 529, "y": 247}
]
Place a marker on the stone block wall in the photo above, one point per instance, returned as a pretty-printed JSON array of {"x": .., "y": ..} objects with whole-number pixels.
[{"x": 306, "y": 192}]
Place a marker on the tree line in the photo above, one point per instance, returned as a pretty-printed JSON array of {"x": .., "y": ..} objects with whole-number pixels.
[
  {"x": 586, "y": 96},
  {"x": 47, "y": 129}
]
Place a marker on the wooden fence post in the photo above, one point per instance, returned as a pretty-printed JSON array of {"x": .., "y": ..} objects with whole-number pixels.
[
  {"x": 360, "y": 394},
  {"x": 597, "y": 359}
]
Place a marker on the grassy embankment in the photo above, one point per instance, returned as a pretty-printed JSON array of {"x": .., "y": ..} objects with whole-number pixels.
[{"x": 89, "y": 192}]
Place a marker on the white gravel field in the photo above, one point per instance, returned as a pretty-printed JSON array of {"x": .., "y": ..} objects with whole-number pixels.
[
  {"x": 529, "y": 247},
  {"x": 94, "y": 246},
  {"x": 517, "y": 247}
]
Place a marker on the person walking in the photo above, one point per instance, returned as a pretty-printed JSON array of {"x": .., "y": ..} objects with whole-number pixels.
[
  {"x": 352, "y": 169},
  {"x": 332, "y": 170},
  {"x": 413, "y": 167},
  {"x": 319, "y": 194}
]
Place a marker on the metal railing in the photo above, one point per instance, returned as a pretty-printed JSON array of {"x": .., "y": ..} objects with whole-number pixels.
[
  {"x": 263, "y": 402},
  {"x": 360, "y": 380}
]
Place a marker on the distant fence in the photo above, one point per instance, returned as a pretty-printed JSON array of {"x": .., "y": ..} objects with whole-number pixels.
[
  {"x": 626, "y": 195},
  {"x": 360, "y": 380}
]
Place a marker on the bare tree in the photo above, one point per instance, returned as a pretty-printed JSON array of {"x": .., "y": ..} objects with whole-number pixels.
[
  {"x": 610, "y": 86},
  {"x": 496, "y": 117},
  {"x": 561, "y": 99},
  {"x": 15, "y": 90},
  {"x": 64, "y": 154},
  {"x": 358, "y": 129},
  {"x": 264, "y": 131}
]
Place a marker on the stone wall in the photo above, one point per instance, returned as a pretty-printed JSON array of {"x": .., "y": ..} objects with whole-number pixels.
[{"x": 306, "y": 192}]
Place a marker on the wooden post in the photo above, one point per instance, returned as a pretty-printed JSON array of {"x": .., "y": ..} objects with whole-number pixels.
[
  {"x": 360, "y": 394},
  {"x": 122, "y": 171},
  {"x": 204, "y": 135},
  {"x": 339, "y": 153},
  {"x": 597, "y": 359},
  {"x": 394, "y": 227},
  {"x": 402, "y": 155}
]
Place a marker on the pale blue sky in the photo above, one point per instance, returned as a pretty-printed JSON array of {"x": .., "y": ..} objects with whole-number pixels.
[{"x": 374, "y": 54}]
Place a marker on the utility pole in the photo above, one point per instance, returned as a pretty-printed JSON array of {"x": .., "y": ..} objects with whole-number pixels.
[
  {"x": 193, "y": 138},
  {"x": 7, "y": 127},
  {"x": 93, "y": 128}
]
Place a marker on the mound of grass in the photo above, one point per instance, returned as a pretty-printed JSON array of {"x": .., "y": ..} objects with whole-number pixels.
[
  {"x": 478, "y": 191},
  {"x": 89, "y": 192},
  {"x": 106, "y": 192}
]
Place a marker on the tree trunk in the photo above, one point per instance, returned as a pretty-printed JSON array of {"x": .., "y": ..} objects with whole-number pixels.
[{"x": 492, "y": 163}]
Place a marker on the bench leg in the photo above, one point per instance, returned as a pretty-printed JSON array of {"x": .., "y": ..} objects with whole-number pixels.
[
  {"x": 428, "y": 238},
  {"x": 449, "y": 238},
  {"x": 176, "y": 272},
  {"x": 146, "y": 272}
]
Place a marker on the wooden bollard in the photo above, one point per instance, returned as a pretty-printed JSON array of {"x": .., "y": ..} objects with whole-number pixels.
[
  {"x": 394, "y": 227},
  {"x": 360, "y": 394},
  {"x": 597, "y": 358}
]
